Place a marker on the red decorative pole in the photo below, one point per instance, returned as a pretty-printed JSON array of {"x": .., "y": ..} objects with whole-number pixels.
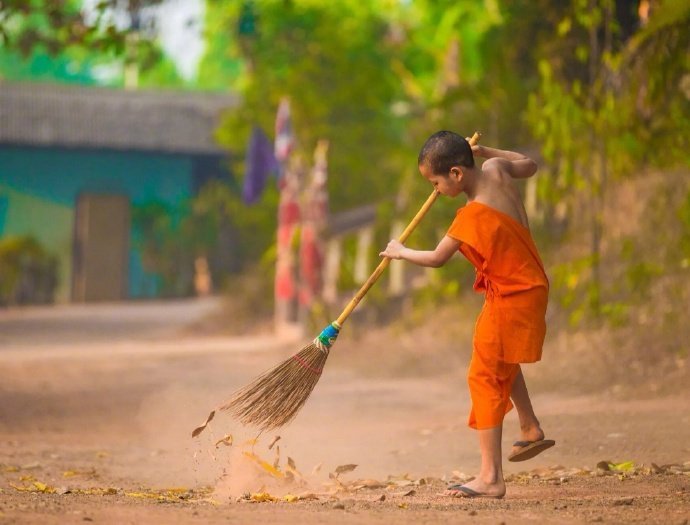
[
  {"x": 288, "y": 222},
  {"x": 314, "y": 221}
]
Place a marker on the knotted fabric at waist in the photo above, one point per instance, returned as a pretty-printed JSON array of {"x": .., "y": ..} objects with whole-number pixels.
[{"x": 514, "y": 297}]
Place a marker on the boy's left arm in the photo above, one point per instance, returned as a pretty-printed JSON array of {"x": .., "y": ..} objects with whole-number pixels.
[
  {"x": 431, "y": 258},
  {"x": 517, "y": 165}
]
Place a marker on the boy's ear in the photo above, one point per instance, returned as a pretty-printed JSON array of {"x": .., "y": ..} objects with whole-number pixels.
[{"x": 456, "y": 172}]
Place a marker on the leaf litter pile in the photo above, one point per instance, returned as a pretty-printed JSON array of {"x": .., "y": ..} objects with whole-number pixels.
[
  {"x": 29, "y": 483},
  {"x": 278, "y": 481}
]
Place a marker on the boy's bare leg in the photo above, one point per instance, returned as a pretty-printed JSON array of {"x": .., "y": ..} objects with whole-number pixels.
[
  {"x": 530, "y": 428},
  {"x": 489, "y": 481}
]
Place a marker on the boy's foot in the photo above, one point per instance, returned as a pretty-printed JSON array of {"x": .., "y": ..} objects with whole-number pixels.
[
  {"x": 524, "y": 450},
  {"x": 477, "y": 489}
]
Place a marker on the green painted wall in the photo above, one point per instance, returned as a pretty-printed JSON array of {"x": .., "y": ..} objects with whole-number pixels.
[{"x": 49, "y": 222}]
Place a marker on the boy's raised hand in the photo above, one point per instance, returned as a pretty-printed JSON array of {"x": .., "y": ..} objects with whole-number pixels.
[{"x": 477, "y": 149}]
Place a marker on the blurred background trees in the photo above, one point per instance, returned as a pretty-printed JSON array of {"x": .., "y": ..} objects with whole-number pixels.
[{"x": 598, "y": 90}]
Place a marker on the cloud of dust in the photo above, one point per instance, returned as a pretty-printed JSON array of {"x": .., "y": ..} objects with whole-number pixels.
[
  {"x": 240, "y": 464},
  {"x": 249, "y": 473}
]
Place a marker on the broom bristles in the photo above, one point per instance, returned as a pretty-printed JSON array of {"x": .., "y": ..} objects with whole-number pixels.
[{"x": 275, "y": 397}]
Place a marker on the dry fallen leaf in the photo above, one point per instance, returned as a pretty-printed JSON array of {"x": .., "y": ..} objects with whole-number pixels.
[
  {"x": 341, "y": 469},
  {"x": 262, "y": 497},
  {"x": 198, "y": 430},
  {"x": 73, "y": 473},
  {"x": 225, "y": 440},
  {"x": 401, "y": 483},
  {"x": 368, "y": 484},
  {"x": 308, "y": 496},
  {"x": 275, "y": 440},
  {"x": 276, "y": 461},
  {"x": 264, "y": 465},
  {"x": 142, "y": 495},
  {"x": 625, "y": 466}
]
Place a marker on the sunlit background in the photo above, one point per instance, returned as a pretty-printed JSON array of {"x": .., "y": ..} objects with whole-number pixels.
[{"x": 188, "y": 173}]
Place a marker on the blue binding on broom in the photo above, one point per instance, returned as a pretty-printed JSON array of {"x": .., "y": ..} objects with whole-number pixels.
[{"x": 327, "y": 337}]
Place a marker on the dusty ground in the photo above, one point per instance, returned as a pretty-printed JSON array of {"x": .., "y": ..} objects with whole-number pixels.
[{"x": 97, "y": 405}]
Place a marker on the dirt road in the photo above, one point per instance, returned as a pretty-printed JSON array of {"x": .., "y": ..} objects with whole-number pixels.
[{"x": 97, "y": 405}]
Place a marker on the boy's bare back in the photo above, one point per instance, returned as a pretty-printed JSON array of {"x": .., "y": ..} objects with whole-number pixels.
[{"x": 496, "y": 188}]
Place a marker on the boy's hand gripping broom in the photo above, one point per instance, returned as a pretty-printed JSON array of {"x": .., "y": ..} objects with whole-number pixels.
[{"x": 274, "y": 398}]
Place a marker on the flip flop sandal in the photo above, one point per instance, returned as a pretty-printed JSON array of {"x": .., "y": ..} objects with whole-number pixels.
[
  {"x": 529, "y": 449},
  {"x": 466, "y": 492}
]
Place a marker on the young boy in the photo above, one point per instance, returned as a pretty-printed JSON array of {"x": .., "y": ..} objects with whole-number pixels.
[{"x": 492, "y": 232}]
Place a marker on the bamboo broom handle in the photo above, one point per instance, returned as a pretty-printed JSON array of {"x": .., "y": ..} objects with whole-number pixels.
[{"x": 386, "y": 260}]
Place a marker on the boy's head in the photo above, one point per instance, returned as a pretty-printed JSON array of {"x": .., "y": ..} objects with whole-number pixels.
[
  {"x": 442, "y": 161},
  {"x": 444, "y": 150}
]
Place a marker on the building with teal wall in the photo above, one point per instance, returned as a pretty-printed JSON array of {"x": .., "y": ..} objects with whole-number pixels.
[{"x": 59, "y": 143}]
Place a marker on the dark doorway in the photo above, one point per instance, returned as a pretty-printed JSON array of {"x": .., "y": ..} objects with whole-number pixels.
[{"x": 101, "y": 248}]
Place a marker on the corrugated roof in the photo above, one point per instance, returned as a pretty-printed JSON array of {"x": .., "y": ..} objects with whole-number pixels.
[{"x": 77, "y": 116}]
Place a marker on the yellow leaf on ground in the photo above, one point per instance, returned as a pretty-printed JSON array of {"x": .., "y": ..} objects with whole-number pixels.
[
  {"x": 42, "y": 487},
  {"x": 290, "y": 498},
  {"x": 625, "y": 466},
  {"x": 262, "y": 497},
  {"x": 177, "y": 490},
  {"x": 141, "y": 495}
]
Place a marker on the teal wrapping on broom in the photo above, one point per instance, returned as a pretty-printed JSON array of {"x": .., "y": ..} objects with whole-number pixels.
[{"x": 327, "y": 337}]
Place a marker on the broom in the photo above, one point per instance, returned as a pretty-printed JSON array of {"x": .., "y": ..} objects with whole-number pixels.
[{"x": 274, "y": 398}]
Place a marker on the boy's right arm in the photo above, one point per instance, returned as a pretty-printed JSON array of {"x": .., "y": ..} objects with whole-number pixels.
[{"x": 516, "y": 164}]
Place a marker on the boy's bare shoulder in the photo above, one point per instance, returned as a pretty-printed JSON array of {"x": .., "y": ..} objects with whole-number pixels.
[
  {"x": 497, "y": 170},
  {"x": 495, "y": 165}
]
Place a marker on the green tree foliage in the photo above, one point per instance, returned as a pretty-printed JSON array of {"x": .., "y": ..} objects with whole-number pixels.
[
  {"x": 333, "y": 61},
  {"x": 57, "y": 40},
  {"x": 58, "y": 24},
  {"x": 610, "y": 107}
]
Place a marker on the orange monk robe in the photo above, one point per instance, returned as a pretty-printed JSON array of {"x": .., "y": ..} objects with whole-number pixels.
[{"x": 511, "y": 327}]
